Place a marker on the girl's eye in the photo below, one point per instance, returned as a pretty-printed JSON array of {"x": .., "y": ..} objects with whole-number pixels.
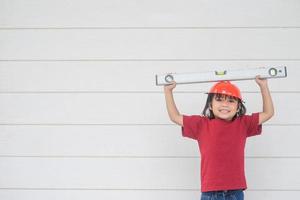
[
  {"x": 231, "y": 100},
  {"x": 218, "y": 99}
]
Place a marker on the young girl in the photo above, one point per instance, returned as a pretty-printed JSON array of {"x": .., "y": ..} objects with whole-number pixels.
[{"x": 221, "y": 134}]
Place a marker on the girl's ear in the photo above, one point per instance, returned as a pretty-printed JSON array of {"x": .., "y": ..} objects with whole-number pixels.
[
  {"x": 239, "y": 106},
  {"x": 209, "y": 106}
]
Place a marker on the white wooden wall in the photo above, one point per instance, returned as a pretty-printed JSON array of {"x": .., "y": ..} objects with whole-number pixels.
[{"x": 81, "y": 117}]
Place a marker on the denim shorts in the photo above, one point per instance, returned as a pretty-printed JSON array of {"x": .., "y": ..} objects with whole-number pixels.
[{"x": 223, "y": 195}]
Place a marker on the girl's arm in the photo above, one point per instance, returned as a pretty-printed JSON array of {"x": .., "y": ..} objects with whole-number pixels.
[
  {"x": 174, "y": 115},
  {"x": 268, "y": 108}
]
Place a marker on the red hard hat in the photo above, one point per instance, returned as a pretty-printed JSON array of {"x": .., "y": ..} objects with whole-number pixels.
[{"x": 227, "y": 88}]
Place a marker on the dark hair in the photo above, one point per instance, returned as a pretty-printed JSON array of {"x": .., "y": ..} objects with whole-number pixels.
[{"x": 208, "y": 113}]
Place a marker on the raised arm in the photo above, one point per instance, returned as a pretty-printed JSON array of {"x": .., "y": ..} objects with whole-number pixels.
[
  {"x": 268, "y": 108},
  {"x": 173, "y": 112}
]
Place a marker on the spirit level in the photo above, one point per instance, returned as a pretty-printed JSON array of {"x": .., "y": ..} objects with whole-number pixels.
[{"x": 212, "y": 76}]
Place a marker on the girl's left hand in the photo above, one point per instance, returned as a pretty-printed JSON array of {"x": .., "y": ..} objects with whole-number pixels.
[{"x": 261, "y": 81}]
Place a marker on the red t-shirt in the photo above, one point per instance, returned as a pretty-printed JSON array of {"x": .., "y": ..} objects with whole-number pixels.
[{"x": 221, "y": 145}]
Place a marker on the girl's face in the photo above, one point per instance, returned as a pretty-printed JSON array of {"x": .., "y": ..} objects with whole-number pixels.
[{"x": 224, "y": 107}]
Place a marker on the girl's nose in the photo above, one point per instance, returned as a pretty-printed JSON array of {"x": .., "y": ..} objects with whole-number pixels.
[{"x": 225, "y": 102}]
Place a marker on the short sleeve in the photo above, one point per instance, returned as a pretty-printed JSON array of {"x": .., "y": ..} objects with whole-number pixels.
[
  {"x": 251, "y": 122},
  {"x": 192, "y": 126}
]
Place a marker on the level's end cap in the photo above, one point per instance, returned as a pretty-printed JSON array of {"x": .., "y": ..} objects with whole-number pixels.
[
  {"x": 285, "y": 70},
  {"x": 156, "y": 81}
]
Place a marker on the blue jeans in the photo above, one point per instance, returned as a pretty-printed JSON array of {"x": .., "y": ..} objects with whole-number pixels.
[{"x": 223, "y": 195}]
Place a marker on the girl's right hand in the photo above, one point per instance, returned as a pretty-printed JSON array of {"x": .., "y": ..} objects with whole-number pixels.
[{"x": 170, "y": 87}]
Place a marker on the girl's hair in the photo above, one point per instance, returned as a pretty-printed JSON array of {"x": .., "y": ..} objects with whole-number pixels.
[{"x": 241, "y": 110}]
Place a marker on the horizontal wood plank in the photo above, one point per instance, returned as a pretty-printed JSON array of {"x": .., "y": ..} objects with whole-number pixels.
[
  {"x": 132, "y": 194},
  {"x": 127, "y": 76},
  {"x": 115, "y": 108},
  {"x": 115, "y": 44},
  {"x": 142, "y": 173},
  {"x": 131, "y": 141},
  {"x": 155, "y": 13}
]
